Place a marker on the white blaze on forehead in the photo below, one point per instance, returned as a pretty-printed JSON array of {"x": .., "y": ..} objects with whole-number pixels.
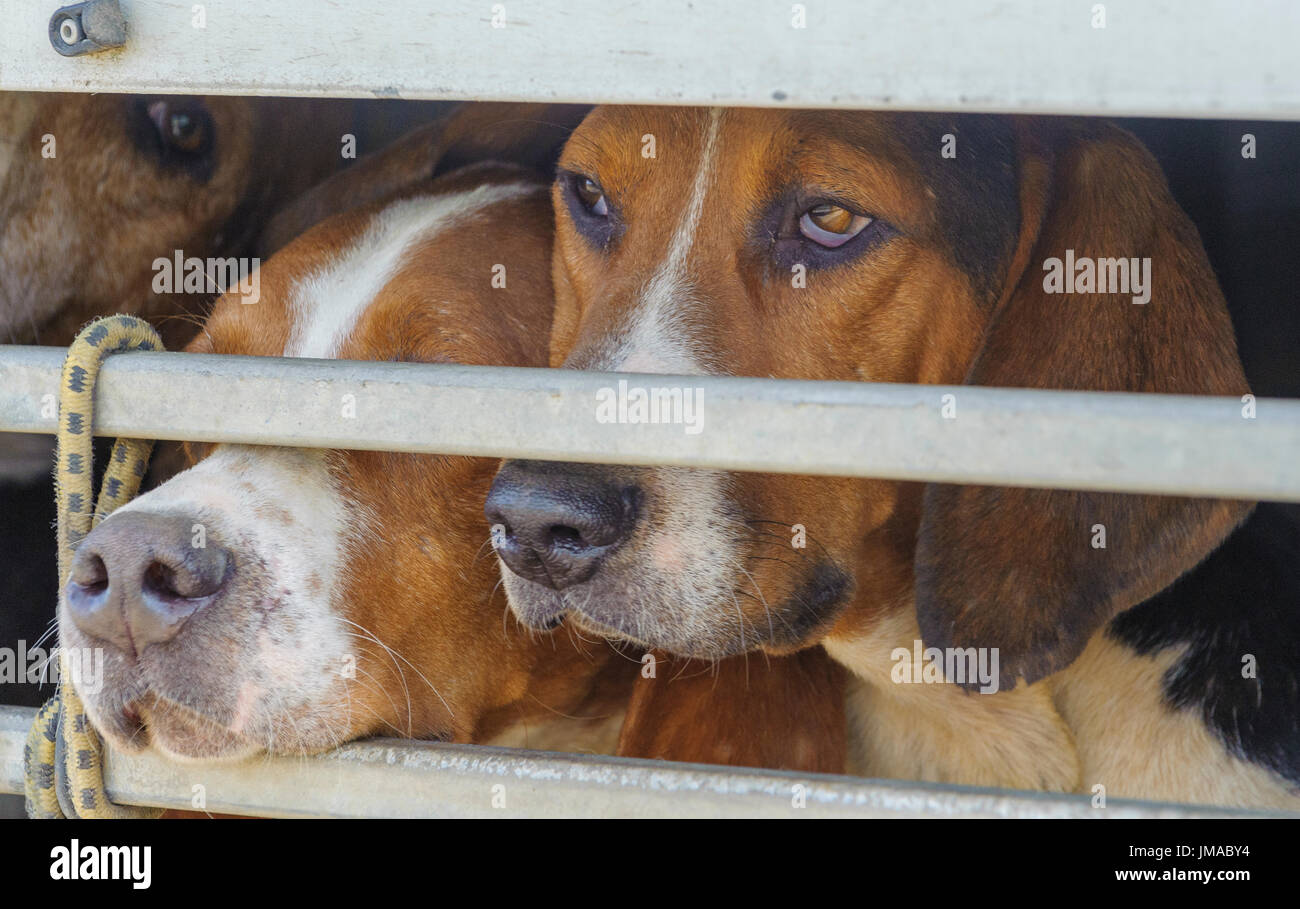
[
  {"x": 328, "y": 303},
  {"x": 656, "y": 341},
  {"x": 689, "y": 562}
]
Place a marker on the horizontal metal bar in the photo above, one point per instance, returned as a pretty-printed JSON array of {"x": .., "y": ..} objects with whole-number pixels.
[
  {"x": 1213, "y": 58},
  {"x": 393, "y": 778},
  {"x": 1169, "y": 444}
]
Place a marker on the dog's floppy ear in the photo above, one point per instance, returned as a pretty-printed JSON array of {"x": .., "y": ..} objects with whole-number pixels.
[
  {"x": 780, "y": 712},
  {"x": 529, "y": 135},
  {"x": 1023, "y": 570}
]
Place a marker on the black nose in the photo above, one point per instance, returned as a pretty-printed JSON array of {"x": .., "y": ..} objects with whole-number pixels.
[
  {"x": 137, "y": 578},
  {"x": 555, "y": 523}
]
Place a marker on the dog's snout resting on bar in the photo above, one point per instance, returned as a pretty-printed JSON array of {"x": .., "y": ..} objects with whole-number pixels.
[
  {"x": 284, "y": 600},
  {"x": 140, "y": 580}
]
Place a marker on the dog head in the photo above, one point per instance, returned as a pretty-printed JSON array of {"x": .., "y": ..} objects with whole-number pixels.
[
  {"x": 286, "y": 600},
  {"x": 872, "y": 247},
  {"x": 95, "y": 188}
]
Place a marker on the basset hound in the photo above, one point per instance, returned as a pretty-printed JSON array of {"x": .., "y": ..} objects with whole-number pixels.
[{"x": 886, "y": 247}]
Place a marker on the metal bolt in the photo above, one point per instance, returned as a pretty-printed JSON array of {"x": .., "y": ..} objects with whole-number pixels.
[
  {"x": 70, "y": 30},
  {"x": 87, "y": 27}
]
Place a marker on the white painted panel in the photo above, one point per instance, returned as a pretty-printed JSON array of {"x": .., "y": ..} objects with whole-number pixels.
[{"x": 1172, "y": 57}]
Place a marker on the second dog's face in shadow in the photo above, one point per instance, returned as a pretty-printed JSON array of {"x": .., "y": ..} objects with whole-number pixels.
[{"x": 95, "y": 187}]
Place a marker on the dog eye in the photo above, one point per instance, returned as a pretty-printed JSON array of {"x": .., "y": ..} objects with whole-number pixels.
[
  {"x": 590, "y": 211},
  {"x": 831, "y": 225},
  {"x": 183, "y": 131},
  {"x": 591, "y": 195},
  {"x": 186, "y": 132},
  {"x": 177, "y": 132}
]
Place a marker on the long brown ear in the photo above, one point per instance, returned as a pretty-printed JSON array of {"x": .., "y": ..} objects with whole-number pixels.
[
  {"x": 530, "y": 135},
  {"x": 1021, "y": 570},
  {"x": 779, "y": 712}
]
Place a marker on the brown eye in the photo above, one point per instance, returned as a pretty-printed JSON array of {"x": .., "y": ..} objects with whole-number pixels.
[
  {"x": 831, "y": 218},
  {"x": 831, "y": 225},
  {"x": 591, "y": 196},
  {"x": 184, "y": 129},
  {"x": 186, "y": 132}
]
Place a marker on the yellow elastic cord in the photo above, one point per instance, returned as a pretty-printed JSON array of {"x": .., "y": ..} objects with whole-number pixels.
[{"x": 64, "y": 756}]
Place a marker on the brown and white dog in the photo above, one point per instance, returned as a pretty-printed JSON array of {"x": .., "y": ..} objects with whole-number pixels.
[
  {"x": 94, "y": 189},
  {"x": 338, "y": 594},
  {"x": 850, "y": 246}
]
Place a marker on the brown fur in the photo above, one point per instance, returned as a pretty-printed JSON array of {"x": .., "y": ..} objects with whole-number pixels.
[
  {"x": 1061, "y": 590},
  {"x": 782, "y": 712},
  {"x": 421, "y": 578},
  {"x": 430, "y": 536},
  {"x": 529, "y": 135}
]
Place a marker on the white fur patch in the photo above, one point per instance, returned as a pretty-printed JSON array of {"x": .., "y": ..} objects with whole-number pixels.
[
  {"x": 282, "y": 516},
  {"x": 940, "y": 733},
  {"x": 328, "y": 303},
  {"x": 1136, "y": 745},
  {"x": 278, "y": 511},
  {"x": 237, "y": 484},
  {"x": 656, "y": 340},
  {"x": 691, "y": 552}
]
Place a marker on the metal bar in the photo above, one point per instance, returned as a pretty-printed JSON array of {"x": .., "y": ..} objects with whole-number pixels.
[
  {"x": 1168, "y": 444},
  {"x": 393, "y": 778},
  {"x": 1212, "y": 58}
]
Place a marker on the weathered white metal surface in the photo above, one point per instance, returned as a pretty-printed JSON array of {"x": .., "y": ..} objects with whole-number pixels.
[
  {"x": 390, "y": 778},
  {"x": 1014, "y": 437},
  {"x": 1162, "y": 57}
]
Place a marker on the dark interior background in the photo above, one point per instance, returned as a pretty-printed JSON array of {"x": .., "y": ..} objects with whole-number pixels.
[{"x": 1248, "y": 213}]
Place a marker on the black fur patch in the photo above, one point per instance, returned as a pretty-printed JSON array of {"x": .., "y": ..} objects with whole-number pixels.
[
  {"x": 1244, "y": 600},
  {"x": 978, "y": 190},
  {"x": 812, "y": 605}
]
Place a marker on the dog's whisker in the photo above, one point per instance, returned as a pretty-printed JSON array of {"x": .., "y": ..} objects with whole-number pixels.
[{"x": 401, "y": 673}]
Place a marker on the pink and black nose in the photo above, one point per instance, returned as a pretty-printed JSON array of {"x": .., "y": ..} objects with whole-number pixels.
[
  {"x": 555, "y": 523},
  {"x": 138, "y": 578}
]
